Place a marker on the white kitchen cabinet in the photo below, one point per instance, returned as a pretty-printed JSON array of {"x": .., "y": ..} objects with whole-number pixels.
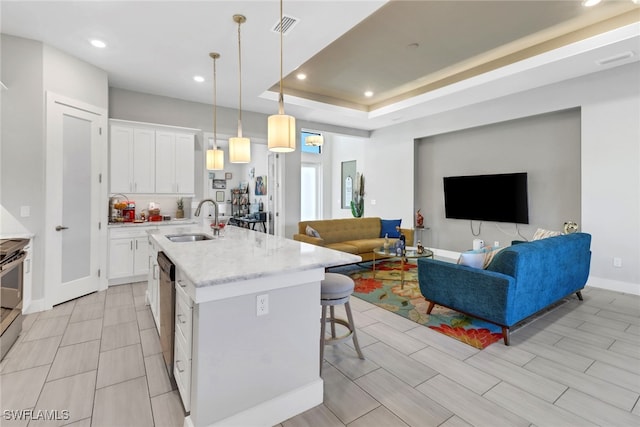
[
  {"x": 175, "y": 163},
  {"x": 128, "y": 254},
  {"x": 183, "y": 341},
  {"x": 132, "y": 157},
  {"x": 153, "y": 283}
]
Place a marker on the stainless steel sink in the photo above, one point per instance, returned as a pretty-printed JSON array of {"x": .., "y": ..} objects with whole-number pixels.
[{"x": 188, "y": 237}]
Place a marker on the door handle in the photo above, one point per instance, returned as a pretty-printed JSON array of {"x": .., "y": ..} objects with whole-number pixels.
[{"x": 60, "y": 228}]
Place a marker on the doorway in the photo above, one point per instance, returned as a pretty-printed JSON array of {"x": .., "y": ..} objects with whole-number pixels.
[{"x": 76, "y": 199}]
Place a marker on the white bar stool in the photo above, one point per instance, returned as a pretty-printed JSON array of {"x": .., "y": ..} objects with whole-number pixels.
[{"x": 336, "y": 289}]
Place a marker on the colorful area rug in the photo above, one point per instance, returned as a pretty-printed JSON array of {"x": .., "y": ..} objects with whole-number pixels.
[{"x": 385, "y": 292}]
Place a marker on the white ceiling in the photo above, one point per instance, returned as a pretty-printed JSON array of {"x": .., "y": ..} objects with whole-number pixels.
[{"x": 158, "y": 46}]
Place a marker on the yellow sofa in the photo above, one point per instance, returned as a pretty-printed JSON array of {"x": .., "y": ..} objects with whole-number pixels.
[{"x": 359, "y": 236}]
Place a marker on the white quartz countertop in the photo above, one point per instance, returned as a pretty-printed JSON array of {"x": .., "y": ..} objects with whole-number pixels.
[{"x": 242, "y": 254}]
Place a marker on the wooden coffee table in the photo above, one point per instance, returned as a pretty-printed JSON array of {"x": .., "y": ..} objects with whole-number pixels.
[{"x": 411, "y": 252}]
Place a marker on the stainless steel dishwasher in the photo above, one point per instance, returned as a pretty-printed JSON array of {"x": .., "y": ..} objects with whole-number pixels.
[{"x": 167, "y": 311}]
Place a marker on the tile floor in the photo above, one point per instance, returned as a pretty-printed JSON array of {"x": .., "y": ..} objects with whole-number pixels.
[{"x": 99, "y": 358}]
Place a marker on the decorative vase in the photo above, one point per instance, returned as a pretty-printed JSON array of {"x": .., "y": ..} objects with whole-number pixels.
[{"x": 419, "y": 220}]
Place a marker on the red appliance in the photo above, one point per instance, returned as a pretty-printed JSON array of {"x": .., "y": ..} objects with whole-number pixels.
[{"x": 129, "y": 213}]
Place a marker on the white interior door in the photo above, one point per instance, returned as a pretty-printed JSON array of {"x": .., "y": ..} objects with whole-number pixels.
[{"x": 76, "y": 149}]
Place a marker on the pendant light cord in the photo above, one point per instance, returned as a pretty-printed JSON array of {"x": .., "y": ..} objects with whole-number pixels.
[
  {"x": 215, "y": 103},
  {"x": 240, "y": 82},
  {"x": 281, "y": 97}
]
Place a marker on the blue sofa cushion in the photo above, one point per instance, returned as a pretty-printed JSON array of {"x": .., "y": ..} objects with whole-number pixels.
[{"x": 388, "y": 226}]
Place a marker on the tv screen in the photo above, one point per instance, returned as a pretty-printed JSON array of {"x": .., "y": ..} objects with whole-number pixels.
[{"x": 498, "y": 198}]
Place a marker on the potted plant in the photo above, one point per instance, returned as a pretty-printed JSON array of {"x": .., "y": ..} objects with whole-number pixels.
[
  {"x": 180, "y": 211},
  {"x": 357, "y": 204}
]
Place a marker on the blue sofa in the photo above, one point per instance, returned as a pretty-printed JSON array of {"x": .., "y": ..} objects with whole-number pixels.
[{"x": 521, "y": 280}]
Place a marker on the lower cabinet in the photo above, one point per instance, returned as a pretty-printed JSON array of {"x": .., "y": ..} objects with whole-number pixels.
[
  {"x": 128, "y": 254},
  {"x": 153, "y": 283},
  {"x": 183, "y": 341}
]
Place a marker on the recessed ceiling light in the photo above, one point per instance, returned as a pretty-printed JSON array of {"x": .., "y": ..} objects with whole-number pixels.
[
  {"x": 199, "y": 79},
  {"x": 589, "y": 3},
  {"x": 98, "y": 43},
  {"x": 301, "y": 76},
  {"x": 368, "y": 94}
]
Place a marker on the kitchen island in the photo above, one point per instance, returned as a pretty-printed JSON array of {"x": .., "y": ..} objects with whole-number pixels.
[{"x": 232, "y": 365}]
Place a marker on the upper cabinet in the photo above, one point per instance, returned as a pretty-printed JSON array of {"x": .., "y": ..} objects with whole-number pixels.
[
  {"x": 132, "y": 160},
  {"x": 151, "y": 159},
  {"x": 175, "y": 163}
]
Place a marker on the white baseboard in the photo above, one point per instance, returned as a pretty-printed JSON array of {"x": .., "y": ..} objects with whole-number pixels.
[
  {"x": 275, "y": 411},
  {"x": 34, "y": 306},
  {"x": 614, "y": 285}
]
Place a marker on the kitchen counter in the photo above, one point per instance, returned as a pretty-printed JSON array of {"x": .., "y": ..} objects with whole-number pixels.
[
  {"x": 236, "y": 364},
  {"x": 173, "y": 222}
]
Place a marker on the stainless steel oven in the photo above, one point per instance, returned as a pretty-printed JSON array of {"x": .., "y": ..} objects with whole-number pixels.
[{"x": 12, "y": 257}]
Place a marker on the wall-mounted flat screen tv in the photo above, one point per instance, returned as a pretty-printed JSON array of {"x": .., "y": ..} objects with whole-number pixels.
[{"x": 497, "y": 198}]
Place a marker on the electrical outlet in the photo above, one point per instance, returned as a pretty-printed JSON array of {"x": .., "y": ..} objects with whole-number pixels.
[
  {"x": 262, "y": 304},
  {"x": 617, "y": 262},
  {"x": 496, "y": 244}
]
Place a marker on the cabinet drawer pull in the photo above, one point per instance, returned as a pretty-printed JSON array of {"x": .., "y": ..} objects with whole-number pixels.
[
  {"x": 180, "y": 316},
  {"x": 178, "y": 364},
  {"x": 131, "y": 244}
]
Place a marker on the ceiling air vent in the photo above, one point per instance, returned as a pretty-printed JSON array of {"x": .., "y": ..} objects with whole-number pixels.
[{"x": 288, "y": 22}]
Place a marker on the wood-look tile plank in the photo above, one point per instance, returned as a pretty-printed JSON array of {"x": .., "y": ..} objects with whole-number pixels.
[
  {"x": 157, "y": 376},
  {"x": 346, "y": 360},
  {"x": 117, "y": 315},
  {"x": 557, "y": 354},
  {"x": 470, "y": 406},
  {"x": 78, "y": 332},
  {"x": 380, "y": 416},
  {"x": 64, "y": 309},
  {"x": 518, "y": 355},
  {"x": 455, "y": 421},
  {"x": 47, "y": 327},
  {"x": 119, "y": 289},
  {"x": 614, "y": 315},
  {"x": 610, "y": 357},
  {"x": 536, "y": 410},
  {"x": 473, "y": 378},
  {"x": 29, "y": 354},
  {"x": 531, "y": 332},
  {"x": 123, "y": 404},
  {"x": 609, "y": 332},
  {"x": 74, "y": 393},
  {"x": 364, "y": 340},
  {"x": 603, "y": 390},
  {"x": 20, "y": 389},
  {"x": 167, "y": 410},
  {"x": 533, "y": 383},
  {"x": 83, "y": 312},
  {"x": 318, "y": 416},
  {"x": 120, "y": 335},
  {"x": 622, "y": 377},
  {"x": 618, "y": 325},
  {"x": 588, "y": 337},
  {"x": 150, "y": 342},
  {"x": 119, "y": 299},
  {"x": 345, "y": 399},
  {"x": 413, "y": 407},
  {"x": 626, "y": 348},
  {"x": 145, "y": 319},
  {"x": 391, "y": 319},
  {"x": 93, "y": 298},
  {"x": 401, "y": 342},
  {"x": 75, "y": 359},
  {"x": 120, "y": 364},
  {"x": 633, "y": 329},
  {"x": 402, "y": 366},
  {"x": 139, "y": 288},
  {"x": 596, "y": 410},
  {"x": 452, "y": 347}
]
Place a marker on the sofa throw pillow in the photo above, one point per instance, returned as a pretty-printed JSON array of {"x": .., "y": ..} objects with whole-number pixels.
[
  {"x": 473, "y": 259},
  {"x": 479, "y": 258},
  {"x": 388, "y": 226},
  {"x": 541, "y": 233},
  {"x": 310, "y": 231}
]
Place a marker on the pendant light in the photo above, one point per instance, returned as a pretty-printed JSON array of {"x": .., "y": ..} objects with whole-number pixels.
[
  {"x": 281, "y": 129},
  {"x": 215, "y": 157},
  {"x": 314, "y": 140},
  {"x": 239, "y": 147}
]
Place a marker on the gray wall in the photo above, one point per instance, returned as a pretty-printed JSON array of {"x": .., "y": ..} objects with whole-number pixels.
[
  {"x": 547, "y": 147},
  {"x": 29, "y": 70}
]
